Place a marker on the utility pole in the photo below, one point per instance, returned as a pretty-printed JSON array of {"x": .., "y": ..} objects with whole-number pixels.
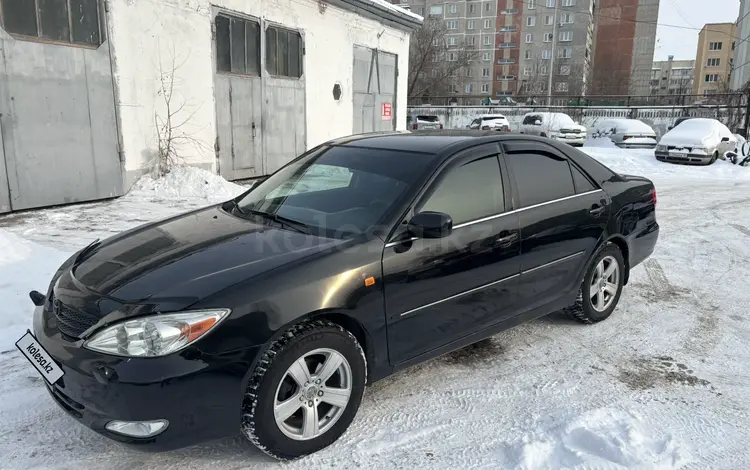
[{"x": 552, "y": 57}]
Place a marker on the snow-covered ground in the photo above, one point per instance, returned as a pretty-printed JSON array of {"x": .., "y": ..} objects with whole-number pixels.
[{"x": 662, "y": 384}]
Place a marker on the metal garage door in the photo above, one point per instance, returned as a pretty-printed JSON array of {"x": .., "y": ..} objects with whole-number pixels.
[
  {"x": 260, "y": 96},
  {"x": 374, "y": 80},
  {"x": 57, "y": 116}
]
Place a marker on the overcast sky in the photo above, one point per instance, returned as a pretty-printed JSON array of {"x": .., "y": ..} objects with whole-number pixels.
[{"x": 682, "y": 43}]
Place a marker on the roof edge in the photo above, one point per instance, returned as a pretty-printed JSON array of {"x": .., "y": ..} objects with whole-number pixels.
[{"x": 383, "y": 11}]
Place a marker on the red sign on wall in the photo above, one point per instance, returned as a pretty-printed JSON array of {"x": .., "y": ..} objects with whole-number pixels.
[{"x": 386, "y": 111}]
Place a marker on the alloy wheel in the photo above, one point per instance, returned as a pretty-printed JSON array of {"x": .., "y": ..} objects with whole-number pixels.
[
  {"x": 604, "y": 283},
  {"x": 313, "y": 394}
]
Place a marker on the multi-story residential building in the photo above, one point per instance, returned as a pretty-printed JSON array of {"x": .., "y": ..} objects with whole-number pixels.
[
  {"x": 672, "y": 77},
  {"x": 741, "y": 66},
  {"x": 507, "y": 41},
  {"x": 472, "y": 23},
  {"x": 556, "y": 39},
  {"x": 713, "y": 61},
  {"x": 625, "y": 39}
]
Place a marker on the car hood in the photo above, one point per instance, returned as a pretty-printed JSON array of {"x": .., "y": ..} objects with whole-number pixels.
[
  {"x": 677, "y": 137},
  {"x": 189, "y": 257}
]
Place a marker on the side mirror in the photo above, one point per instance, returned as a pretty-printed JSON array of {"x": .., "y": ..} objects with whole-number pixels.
[
  {"x": 730, "y": 156},
  {"x": 670, "y": 128},
  {"x": 537, "y": 122},
  {"x": 430, "y": 224}
]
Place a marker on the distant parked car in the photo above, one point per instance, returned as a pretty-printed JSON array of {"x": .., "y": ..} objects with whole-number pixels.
[
  {"x": 626, "y": 133},
  {"x": 491, "y": 122},
  {"x": 557, "y": 126},
  {"x": 697, "y": 141},
  {"x": 423, "y": 121}
]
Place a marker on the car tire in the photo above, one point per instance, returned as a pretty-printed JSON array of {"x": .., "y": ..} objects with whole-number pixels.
[
  {"x": 274, "y": 382},
  {"x": 587, "y": 309},
  {"x": 542, "y": 134},
  {"x": 714, "y": 157}
]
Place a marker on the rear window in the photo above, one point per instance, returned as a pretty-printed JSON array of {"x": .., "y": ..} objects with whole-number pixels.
[
  {"x": 428, "y": 118},
  {"x": 492, "y": 118}
]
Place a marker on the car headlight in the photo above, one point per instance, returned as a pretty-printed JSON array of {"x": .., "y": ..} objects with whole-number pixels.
[
  {"x": 661, "y": 148},
  {"x": 155, "y": 335}
]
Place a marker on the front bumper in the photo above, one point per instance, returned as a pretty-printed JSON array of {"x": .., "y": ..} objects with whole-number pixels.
[
  {"x": 578, "y": 140},
  {"x": 688, "y": 158},
  {"x": 626, "y": 145},
  {"x": 200, "y": 395}
]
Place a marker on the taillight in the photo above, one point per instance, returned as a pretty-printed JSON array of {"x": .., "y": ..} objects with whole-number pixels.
[
  {"x": 441, "y": 126},
  {"x": 625, "y": 137},
  {"x": 653, "y": 196},
  {"x": 414, "y": 126}
]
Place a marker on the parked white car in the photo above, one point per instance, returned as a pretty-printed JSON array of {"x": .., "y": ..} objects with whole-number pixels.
[
  {"x": 626, "y": 133},
  {"x": 494, "y": 122},
  {"x": 697, "y": 141},
  {"x": 558, "y": 126}
]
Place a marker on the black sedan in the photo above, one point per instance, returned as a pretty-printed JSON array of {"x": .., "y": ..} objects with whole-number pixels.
[{"x": 268, "y": 314}]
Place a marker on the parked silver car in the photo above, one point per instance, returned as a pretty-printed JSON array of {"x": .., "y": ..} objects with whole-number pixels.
[
  {"x": 417, "y": 122},
  {"x": 697, "y": 141},
  {"x": 626, "y": 133}
]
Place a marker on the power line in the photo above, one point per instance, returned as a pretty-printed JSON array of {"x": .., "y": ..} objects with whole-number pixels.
[{"x": 677, "y": 9}]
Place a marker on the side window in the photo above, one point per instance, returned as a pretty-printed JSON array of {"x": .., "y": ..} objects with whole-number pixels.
[
  {"x": 540, "y": 177},
  {"x": 469, "y": 192},
  {"x": 581, "y": 182},
  {"x": 526, "y": 120},
  {"x": 237, "y": 45}
]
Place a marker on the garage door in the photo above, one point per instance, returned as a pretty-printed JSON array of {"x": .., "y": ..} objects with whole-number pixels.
[
  {"x": 260, "y": 98},
  {"x": 58, "y": 134},
  {"x": 374, "y": 80}
]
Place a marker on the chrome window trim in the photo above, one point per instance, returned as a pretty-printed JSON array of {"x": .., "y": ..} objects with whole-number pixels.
[{"x": 502, "y": 214}]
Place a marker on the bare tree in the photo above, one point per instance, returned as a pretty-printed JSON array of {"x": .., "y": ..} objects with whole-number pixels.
[
  {"x": 534, "y": 75},
  {"x": 435, "y": 63},
  {"x": 172, "y": 124}
]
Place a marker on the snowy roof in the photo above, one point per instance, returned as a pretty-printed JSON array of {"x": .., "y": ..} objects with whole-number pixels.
[{"x": 383, "y": 11}]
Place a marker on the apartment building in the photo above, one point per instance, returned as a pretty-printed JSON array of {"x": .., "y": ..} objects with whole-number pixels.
[
  {"x": 507, "y": 41},
  {"x": 467, "y": 22},
  {"x": 625, "y": 39},
  {"x": 741, "y": 66},
  {"x": 713, "y": 61},
  {"x": 672, "y": 77},
  {"x": 556, "y": 40}
]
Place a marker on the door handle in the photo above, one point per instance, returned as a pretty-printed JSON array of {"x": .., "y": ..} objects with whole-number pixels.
[
  {"x": 253, "y": 130},
  {"x": 596, "y": 210},
  {"x": 507, "y": 240}
]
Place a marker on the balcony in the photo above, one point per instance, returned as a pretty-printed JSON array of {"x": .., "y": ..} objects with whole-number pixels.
[
  {"x": 508, "y": 29},
  {"x": 506, "y": 61},
  {"x": 506, "y": 45}
]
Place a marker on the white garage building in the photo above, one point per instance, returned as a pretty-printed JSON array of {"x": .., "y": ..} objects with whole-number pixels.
[{"x": 90, "y": 92}]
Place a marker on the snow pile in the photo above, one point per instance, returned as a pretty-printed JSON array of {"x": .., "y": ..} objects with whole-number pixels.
[
  {"x": 24, "y": 266},
  {"x": 185, "y": 182},
  {"x": 600, "y": 438}
]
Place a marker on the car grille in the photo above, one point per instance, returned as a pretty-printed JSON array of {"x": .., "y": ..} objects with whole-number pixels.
[
  {"x": 67, "y": 403},
  {"x": 674, "y": 147},
  {"x": 71, "y": 321},
  {"x": 570, "y": 131}
]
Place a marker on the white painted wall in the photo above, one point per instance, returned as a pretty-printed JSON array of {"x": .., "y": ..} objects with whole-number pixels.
[{"x": 147, "y": 33}]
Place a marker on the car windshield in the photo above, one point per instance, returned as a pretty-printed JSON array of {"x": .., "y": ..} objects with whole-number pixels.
[
  {"x": 335, "y": 191},
  {"x": 632, "y": 125},
  {"x": 428, "y": 118},
  {"x": 561, "y": 120}
]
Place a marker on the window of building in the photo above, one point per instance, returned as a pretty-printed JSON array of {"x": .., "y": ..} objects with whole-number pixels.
[
  {"x": 452, "y": 8},
  {"x": 548, "y": 37},
  {"x": 472, "y": 7},
  {"x": 452, "y": 41},
  {"x": 564, "y": 53},
  {"x": 487, "y": 24},
  {"x": 452, "y": 57},
  {"x": 540, "y": 177},
  {"x": 485, "y": 72},
  {"x": 565, "y": 70},
  {"x": 543, "y": 70},
  {"x": 569, "y": 3},
  {"x": 508, "y": 29},
  {"x": 487, "y": 6},
  {"x": 527, "y": 55},
  {"x": 451, "y": 24},
  {"x": 73, "y": 21},
  {"x": 550, "y": 3},
  {"x": 434, "y": 73},
  {"x": 485, "y": 88},
  {"x": 452, "y": 88},
  {"x": 567, "y": 18},
  {"x": 487, "y": 40},
  {"x": 470, "y": 24},
  {"x": 284, "y": 52},
  {"x": 546, "y": 54},
  {"x": 469, "y": 73},
  {"x": 510, "y": 11},
  {"x": 714, "y": 46},
  {"x": 713, "y": 62},
  {"x": 471, "y": 40},
  {"x": 561, "y": 86},
  {"x": 468, "y": 88},
  {"x": 469, "y": 192},
  {"x": 709, "y": 92},
  {"x": 712, "y": 77},
  {"x": 486, "y": 56},
  {"x": 548, "y": 20},
  {"x": 530, "y": 21},
  {"x": 420, "y": 11},
  {"x": 566, "y": 36},
  {"x": 527, "y": 71},
  {"x": 529, "y": 39},
  {"x": 532, "y": 4},
  {"x": 733, "y": 45}
]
